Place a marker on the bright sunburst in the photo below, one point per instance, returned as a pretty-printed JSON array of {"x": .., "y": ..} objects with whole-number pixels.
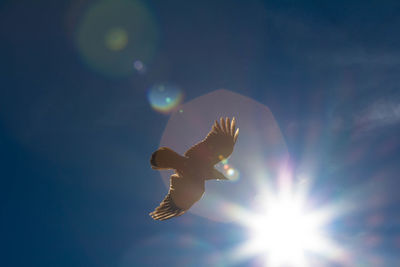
[{"x": 285, "y": 231}]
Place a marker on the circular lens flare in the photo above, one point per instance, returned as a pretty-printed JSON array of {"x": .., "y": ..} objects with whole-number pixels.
[
  {"x": 233, "y": 174},
  {"x": 112, "y": 34},
  {"x": 116, "y": 39},
  {"x": 259, "y": 144},
  {"x": 139, "y": 66},
  {"x": 164, "y": 98}
]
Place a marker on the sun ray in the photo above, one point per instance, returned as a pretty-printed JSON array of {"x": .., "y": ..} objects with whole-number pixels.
[{"x": 284, "y": 230}]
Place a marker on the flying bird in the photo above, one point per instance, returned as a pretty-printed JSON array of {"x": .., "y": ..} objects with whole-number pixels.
[{"x": 193, "y": 168}]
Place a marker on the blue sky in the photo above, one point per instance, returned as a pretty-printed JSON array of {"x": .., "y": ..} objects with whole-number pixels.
[{"x": 77, "y": 128}]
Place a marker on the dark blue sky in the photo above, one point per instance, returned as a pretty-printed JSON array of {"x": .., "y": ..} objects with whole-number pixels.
[{"x": 77, "y": 128}]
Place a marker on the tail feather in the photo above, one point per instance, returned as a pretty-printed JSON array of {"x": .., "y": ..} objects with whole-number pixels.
[{"x": 165, "y": 158}]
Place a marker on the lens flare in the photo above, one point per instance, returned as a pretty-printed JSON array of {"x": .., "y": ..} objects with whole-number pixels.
[
  {"x": 232, "y": 174},
  {"x": 259, "y": 147},
  {"x": 116, "y": 39},
  {"x": 139, "y": 66},
  {"x": 165, "y": 98},
  {"x": 113, "y": 34}
]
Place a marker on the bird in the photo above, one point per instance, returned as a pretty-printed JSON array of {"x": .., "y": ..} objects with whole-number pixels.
[{"x": 187, "y": 183}]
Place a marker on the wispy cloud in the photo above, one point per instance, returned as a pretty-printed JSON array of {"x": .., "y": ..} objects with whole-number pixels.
[{"x": 381, "y": 113}]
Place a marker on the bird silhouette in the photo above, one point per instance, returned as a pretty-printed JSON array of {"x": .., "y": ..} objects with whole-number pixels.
[{"x": 193, "y": 168}]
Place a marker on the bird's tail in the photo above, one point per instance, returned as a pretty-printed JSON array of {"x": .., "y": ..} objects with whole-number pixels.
[{"x": 165, "y": 158}]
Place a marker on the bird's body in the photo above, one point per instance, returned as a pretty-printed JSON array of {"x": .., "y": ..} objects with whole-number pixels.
[{"x": 187, "y": 184}]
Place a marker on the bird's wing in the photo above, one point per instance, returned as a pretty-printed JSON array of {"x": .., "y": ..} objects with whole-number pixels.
[
  {"x": 166, "y": 210},
  {"x": 182, "y": 194},
  {"x": 218, "y": 144}
]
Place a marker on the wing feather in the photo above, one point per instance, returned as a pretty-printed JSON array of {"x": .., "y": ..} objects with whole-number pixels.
[
  {"x": 236, "y": 135},
  {"x": 222, "y": 124},
  {"x": 167, "y": 209},
  {"x": 233, "y": 125},
  {"x": 217, "y": 127},
  {"x": 182, "y": 194},
  {"x": 218, "y": 144}
]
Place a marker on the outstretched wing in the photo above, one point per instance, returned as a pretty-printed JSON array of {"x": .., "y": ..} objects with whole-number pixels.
[
  {"x": 166, "y": 210},
  {"x": 182, "y": 194},
  {"x": 218, "y": 144}
]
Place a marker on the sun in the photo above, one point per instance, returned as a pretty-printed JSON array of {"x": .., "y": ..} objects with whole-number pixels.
[{"x": 285, "y": 232}]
